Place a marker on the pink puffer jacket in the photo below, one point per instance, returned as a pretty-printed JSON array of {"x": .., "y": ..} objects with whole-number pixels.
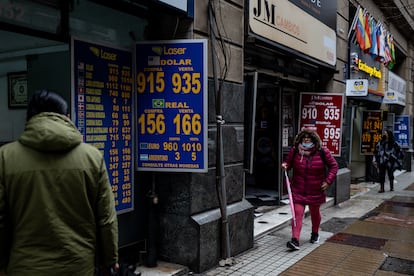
[{"x": 309, "y": 173}]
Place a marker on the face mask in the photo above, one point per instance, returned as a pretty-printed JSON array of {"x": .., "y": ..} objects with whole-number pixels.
[{"x": 307, "y": 145}]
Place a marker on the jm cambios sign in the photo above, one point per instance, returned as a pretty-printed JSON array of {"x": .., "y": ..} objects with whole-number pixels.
[{"x": 305, "y": 26}]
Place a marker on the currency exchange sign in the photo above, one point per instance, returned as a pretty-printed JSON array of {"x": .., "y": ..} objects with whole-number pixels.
[
  {"x": 171, "y": 85},
  {"x": 323, "y": 113},
  {"x": 371, "y": 131},
  {"x": 402, "y": 130},
  {"x": 102, "y": 98}
]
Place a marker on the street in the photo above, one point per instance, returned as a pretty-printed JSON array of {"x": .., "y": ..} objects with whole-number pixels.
[{"x": 369, "y": 234}]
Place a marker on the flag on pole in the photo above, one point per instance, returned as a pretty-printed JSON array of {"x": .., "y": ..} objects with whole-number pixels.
[
  {"x": 387, "y": 50},
  {"x": 381, "y": 42},
  {"x": 374, "y": 44},
  {"x": 360, "y": 29},
  {"x": 367, "y": 32},
  {"x": 392, "y": 53},
  {"x": 354, "y": 22}
]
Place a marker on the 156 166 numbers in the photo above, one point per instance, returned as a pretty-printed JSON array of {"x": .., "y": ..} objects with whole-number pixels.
[{"x": 151, "y": 123}]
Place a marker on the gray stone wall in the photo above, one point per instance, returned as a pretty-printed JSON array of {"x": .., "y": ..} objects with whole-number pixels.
[
  {"x": 189, "y": 212},
  {"x": 189, "y": 209}
]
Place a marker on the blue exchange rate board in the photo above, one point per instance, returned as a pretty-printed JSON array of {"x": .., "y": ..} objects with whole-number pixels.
[
  {"x": 103, "y": 82},
  {"x": 171, "y": 84}
]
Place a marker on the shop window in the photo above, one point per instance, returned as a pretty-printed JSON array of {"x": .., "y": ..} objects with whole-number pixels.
[
  {"x": 31, "y": 15},
  {"x": 89, "y": 20}
]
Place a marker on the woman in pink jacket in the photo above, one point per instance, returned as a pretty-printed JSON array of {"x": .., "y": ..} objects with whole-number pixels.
[{"x": 314, "y": 169}]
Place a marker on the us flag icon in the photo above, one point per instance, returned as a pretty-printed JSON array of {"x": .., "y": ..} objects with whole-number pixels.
[{"x": 153, "y": 61}]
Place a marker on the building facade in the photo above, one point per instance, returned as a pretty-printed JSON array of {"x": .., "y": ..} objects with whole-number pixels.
[{"x": 264, "y": 58}]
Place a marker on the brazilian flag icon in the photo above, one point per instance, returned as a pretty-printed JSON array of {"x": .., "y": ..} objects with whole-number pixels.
[{"x": 157, "y": 103}]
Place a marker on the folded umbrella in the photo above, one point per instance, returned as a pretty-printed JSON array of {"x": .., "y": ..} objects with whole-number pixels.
[{"x": 292, "y": 207}]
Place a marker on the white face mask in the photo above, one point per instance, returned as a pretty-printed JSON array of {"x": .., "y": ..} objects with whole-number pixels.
[{"x": 307, "y": 145}]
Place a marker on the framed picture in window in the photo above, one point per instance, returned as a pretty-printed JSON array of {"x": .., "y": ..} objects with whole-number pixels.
[{"x": 17, "y": 84}]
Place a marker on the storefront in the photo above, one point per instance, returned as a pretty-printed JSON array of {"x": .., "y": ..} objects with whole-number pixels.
[
  {"x": 376, "y": 95},
  {"x": 284, "y": 56},
  {"x": 52, "y": 45}
]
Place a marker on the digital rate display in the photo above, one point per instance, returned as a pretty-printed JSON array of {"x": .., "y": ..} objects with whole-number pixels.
[
  {"x": 371, "y": 131},
  {"x": 171, "y": 85},
  {"x": 103, "y": 85}
]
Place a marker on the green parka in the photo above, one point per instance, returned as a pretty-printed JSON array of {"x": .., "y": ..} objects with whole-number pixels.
[{"x": 57, "y": 211}]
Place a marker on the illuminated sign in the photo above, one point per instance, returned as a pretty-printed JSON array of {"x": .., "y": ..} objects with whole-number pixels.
[
  {"x": 102, "y": 80},
  {"x": 370, "y": 70},
  {"x": 364, "y": 66},
  {"x": 371, "y": 131},
  {"x": 402, "y": 130},
  {"x": 171, "y": 84},
  {"x": 323, "y": 113}
]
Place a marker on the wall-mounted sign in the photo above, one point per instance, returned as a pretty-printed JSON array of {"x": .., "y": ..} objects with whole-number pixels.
[
  {"x": 371, "y": 131},
  {"x": 402, "y": 130},
  {"x": 323, "y": 10},
  {"x": 171, "y": 82},
  {"x": 17, "y": 86},
  {"x": 323, "y": 113},
  {"x": 358, "y": 87},
  {"x": 287, "y": 24},
  {"x": 102, "y": 98},
  {"x": 396, "y": 92},
  {"x": 363, "y": 66}
]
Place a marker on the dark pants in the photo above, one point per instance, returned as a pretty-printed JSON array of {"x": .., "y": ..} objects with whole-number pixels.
[{"x": 390, "y": 171}]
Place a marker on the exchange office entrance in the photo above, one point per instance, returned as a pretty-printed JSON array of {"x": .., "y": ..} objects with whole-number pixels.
[{"x": 271, "y": 124}]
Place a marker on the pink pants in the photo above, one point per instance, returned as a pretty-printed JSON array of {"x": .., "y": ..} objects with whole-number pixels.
[{"x": 315, "y": 219}]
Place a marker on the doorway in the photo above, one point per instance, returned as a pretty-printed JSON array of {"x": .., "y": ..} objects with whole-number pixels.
[{"x": 263, "y": 104}]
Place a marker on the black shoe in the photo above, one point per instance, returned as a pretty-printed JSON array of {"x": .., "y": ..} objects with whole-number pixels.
[
  {"x": 314, "y": 238},
  {"x": 293, "y": 244}
]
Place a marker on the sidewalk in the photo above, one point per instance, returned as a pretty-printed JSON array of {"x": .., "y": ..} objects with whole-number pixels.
[{"x": 369, "y": 234}]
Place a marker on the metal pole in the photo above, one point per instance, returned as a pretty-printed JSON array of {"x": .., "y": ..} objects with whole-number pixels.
[{"x": 152, "y": 226}]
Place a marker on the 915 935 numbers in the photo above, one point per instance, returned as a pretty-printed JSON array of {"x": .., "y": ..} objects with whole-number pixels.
[{"x": 181, "y": 82}]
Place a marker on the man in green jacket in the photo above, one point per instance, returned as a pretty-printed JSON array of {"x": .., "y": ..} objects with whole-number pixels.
[{"x": 57, "y": 211}]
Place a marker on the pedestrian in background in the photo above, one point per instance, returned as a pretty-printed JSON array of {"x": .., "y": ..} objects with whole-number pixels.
[
  {"x": 57, "y": 210},
  {"x": 309, "y": 159},
  {"x": 387, "y": 158}
]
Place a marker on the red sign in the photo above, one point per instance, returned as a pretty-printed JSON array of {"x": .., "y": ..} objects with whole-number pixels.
[{"x": 323, "y": 113}]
